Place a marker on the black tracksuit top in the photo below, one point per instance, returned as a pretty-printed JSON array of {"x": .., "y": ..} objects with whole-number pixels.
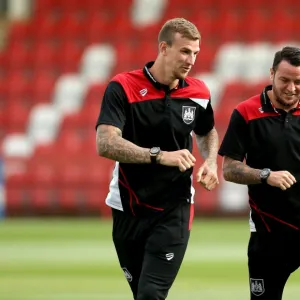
[
  {"x": 267, "y": 138},
  {"x": 150, "y": 114}
]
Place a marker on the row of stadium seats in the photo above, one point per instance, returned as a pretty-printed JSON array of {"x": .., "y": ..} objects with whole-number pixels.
[
  {"x": 87, "y": 5},
  {"x": 220, "y": 26},
  {"x": 53, "y": 77},
  {"x": 91, "y": 5}
]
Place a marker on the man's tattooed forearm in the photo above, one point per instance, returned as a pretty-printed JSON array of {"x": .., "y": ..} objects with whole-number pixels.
[
  {"x": 115, "y": 147},
  {"x": 208, "y": 145},
  {"x": 237, "y": 172}
]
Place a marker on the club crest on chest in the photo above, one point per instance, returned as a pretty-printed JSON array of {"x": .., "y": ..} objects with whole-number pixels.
[{"x": 188, "y": 114}]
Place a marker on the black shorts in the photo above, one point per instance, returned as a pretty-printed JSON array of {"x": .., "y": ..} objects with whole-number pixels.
[
  {"x": 272, "y": 257},
  {"x": 151, "y": 249}
]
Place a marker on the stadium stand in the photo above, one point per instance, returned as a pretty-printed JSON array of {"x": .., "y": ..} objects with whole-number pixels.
[{"x": 54, "y": 69}]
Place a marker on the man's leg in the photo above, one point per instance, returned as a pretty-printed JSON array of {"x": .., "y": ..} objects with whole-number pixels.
[
  {"x": 129, "y": 242},
  {"x": 164, "y": 253},
  {"x": 268, "y": 267}
]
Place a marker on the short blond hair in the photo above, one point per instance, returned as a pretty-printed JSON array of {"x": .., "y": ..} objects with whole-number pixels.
[{"x": 186, "y": 28}]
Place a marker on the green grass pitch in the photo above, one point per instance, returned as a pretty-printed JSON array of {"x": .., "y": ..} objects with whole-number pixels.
[{"x": 57, "y": 259}]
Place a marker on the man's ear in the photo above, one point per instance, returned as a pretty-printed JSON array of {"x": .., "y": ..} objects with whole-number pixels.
[
  {"x": 272, "y": 73},
  {"x": 163, "y": 46}
]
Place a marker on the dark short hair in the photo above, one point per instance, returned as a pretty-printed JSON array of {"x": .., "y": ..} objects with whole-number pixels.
[
  {"x": 289, "y": 54},
  {"x": 186, "y": 28}
]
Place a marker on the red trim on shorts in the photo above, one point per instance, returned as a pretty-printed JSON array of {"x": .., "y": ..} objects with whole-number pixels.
[
  {"x": 192, "y": 213},
  {"x": 133, "y": 195},
  {"x": 254, "y": 206}
]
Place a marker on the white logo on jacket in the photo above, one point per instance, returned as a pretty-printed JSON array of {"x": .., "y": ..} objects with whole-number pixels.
[
  {"x": 261, "y": 110},
  {"x": 188, "y": 114},
  {"x": 143, "y": 92},
  {"x": 169, "y": 256},
  {"x": 128, "y": 276}
]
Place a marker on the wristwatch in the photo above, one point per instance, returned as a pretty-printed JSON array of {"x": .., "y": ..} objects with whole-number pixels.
[
  {"x": 264, "y": 175},
  {"x": 154, "y": 151}
]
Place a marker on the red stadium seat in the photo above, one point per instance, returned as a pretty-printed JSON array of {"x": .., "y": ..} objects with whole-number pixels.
[
  {"x": 46, "y": 27},
  {"x": 72, "y": 6},
  {"x": 89, "y": 115},
  {"x": 207, "y": 23},
  {"x": 98, "y": 171},
  {"x": 125, "y": 54},
  {"x": 149, "y": 51},
  {"x": 17, "y": 85},
  {"x": 69, "y": 143},
  {"x": 229, "y": 26},
  {"x": 45, "y": 6},
  {"x": 257, "y": 88},
  {"x": 3, "y": 90},
  {"x": 89, "y": 147},
  {"x": 42, "y": 87},
  {"x": 43, "y": 150},
  {"x": 234, "y": 90},
  {"x": 3, "y": 125},
  {"x": 17, "y": 180},
  {"x": 287, "y": 20},
  {"x": 76, "y": 202},
  {"x": 68, "y": 199},
  {"x": 95, "y": 94},
  {"x": 18, "y": 55},
  {"x": 97, "y": 29},
  {"x": 71, "y": 26},
  {"x": 205, "y": 58},
  {"x": 69, "y": 56},
  {"x": 45, "y": 56},
  {"x": 256, "y": 26},
  {"x": 17, "y": 196},
  {"x": 16, "y": 116},
  {"x": 43, "y": 174},
  {"x": 71, "y": 122},
  {"x": 21, "y": 32},
  {"x": 78, "y": 124},
  {"x": 96, "y": 200},
  {"x": 95, "y": 6},
  {"x": 17, "y": 202},
  {"x": 70, "y": 174},
  {"x": 123, "y": 28}
]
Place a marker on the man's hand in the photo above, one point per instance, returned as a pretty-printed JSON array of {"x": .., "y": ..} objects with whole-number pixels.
[
  {"x": 207, "y": 176},
  {"x": 183, "y": 159},
  {"x": 281, "y": 179}
]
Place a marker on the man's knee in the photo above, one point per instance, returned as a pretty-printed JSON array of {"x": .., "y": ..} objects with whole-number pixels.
[{"x": 151, "y": 292}]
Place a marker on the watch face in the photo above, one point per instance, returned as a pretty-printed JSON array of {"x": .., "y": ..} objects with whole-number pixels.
[
  {"x": 264, "y": 173},
  {"x": 155, "y": 150}
]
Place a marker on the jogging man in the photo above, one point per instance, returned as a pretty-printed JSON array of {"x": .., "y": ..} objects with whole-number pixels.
[
  {"x": 265, "y": 131},
  {"x": 146, "y": 123}
]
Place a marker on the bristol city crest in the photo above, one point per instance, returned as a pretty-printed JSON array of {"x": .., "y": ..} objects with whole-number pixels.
[
  {"x": 257, "y": 286},
  {"x": 188, "y": 114}
]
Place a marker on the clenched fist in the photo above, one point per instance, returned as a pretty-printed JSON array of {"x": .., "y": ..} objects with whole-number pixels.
[
  {"x": 183, "y": 159},
  {"x": 207, "y": 176},
  {"x": 281, "y": 179}
]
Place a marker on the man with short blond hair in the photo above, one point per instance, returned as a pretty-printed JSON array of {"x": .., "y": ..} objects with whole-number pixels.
[{"x": 146, "y": 124}]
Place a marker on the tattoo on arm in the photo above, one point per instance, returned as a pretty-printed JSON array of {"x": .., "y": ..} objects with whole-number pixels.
[
  {"x": 110, "y": 144},
  {"x": 208, "y": 145},
  {"x": 238, "y": 172}
]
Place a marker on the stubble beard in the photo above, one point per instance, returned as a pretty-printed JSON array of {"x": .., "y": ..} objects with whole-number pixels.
[{"x": 282, "y": 101}]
